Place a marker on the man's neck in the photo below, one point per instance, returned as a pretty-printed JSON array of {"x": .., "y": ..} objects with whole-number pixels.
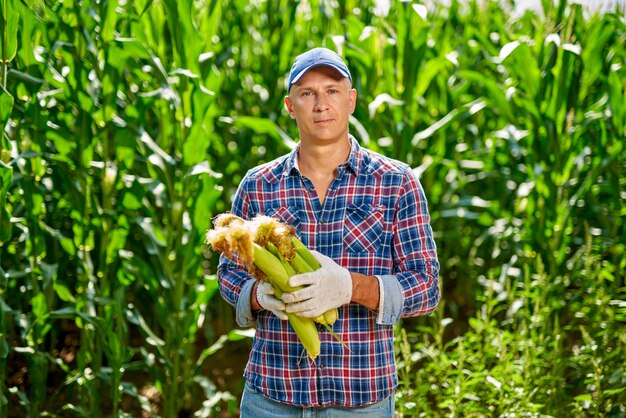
[{"x": 322, "y": 159}]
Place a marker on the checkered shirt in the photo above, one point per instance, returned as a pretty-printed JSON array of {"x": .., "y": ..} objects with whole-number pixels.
[{"x": 374, "y": 221}]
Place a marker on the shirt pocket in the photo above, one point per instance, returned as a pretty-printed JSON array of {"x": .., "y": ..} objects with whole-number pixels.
[
  {"x": 285, "y": 214},
  {"x": 363, "y": 228}
]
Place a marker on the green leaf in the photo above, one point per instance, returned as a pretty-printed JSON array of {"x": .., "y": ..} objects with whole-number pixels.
[
  {"x": 585, "y": 397},
  {"x": 110, "y": 19},
  {"x": 131, "y": 202},
  {"x": 617, "y": 97},
  {"x": 39, "y": 306},
  {"x": 10, "y": 31},
  {"x": 241, "y": 334},
  {"x": 23, "y": 77},
  {"x": 6, "y": 107},
  {"x": 431, "y": 69},
  {"x": 65, "y": 242},
  {"x": 114, "y": 344},
  {"x": 70, "y": 312},
  {"x": 4, "y": 348},
  {"x": 63, "y": 292},
  {"x": 494, "y": 92},
  {"x": 49, "y": 272},
  {"x": 133, "y": 316},
  {"x": 203, "y": 168},
  {"x": 117, "y": 242},
  {"x": 264, "y": 126},
  {"x": 6, "y": 179},
  {"x": 64, "y": 145}
]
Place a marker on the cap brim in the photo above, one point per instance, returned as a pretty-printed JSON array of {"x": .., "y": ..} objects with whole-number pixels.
[{"x": 306, "y": 69}]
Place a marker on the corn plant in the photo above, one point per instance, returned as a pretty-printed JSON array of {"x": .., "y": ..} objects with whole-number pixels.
[{"x": 104, "y": 151}]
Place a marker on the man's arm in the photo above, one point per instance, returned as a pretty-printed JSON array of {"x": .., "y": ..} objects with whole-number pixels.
[{"x": 365, "y": 291}]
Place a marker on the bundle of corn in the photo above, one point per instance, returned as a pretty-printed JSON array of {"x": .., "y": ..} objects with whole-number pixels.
[{"x": 270, "y": 250}]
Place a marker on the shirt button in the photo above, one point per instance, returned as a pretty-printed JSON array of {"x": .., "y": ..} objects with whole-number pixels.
[{"x": 322, "y": 366}]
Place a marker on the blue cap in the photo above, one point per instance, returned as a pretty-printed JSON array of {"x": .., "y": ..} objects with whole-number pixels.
[{"x": 316, "y": 57}]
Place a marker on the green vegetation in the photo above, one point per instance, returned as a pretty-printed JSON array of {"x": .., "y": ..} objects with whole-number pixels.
[{"x": 127, "y": 125}]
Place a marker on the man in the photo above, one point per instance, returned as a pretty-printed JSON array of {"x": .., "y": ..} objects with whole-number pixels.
[{"x": 367, "y": 219}]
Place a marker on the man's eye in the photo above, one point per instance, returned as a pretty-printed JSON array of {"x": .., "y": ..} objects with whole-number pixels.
[
  {"x": 332, "y": 91},
  {"x": 307, "y": 93}
]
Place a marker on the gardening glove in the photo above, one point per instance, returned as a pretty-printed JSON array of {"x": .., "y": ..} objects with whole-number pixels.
[
  {"x": 326, "y": 288},
  {"x": 267, "y": 300}
]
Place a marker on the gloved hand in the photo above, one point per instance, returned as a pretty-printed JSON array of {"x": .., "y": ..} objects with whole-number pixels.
[
  {"x": 267, "y": 300},
  {"x": 327, "y": 288}
]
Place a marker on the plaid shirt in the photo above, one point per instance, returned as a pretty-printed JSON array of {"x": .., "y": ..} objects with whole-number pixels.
[{"x": 374, "y": 221}]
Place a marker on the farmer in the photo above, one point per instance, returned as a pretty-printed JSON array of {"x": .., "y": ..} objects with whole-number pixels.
[{"x": 367, "y": 219}]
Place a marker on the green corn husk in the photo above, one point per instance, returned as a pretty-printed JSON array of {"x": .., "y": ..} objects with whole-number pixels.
[
  {"x": 305, "y": 329},
  {"x": 300, "y": 265},
  {"x": 269, "y": 264},
  {"x": 304, "y": 252}
]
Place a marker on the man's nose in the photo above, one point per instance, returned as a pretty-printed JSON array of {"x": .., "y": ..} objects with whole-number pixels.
[{"x": 321, "y": 102}]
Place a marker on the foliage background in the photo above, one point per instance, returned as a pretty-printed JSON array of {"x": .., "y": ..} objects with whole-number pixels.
[{"x": 128, "y": 125}]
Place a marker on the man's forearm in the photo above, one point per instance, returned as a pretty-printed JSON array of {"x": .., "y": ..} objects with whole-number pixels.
[
  {"x": 254, "y": 303},
  {"x": 365, "y": 290}
]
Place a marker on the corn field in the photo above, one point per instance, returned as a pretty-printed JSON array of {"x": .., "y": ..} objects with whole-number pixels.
[{"x": 127, "y": 126}]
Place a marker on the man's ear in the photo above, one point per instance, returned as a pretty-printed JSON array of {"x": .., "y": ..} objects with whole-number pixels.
[
  {"x": 289, "y": 107},
  {"x": 352, "y": 100}
]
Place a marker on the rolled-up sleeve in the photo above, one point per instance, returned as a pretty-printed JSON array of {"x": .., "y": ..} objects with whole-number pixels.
[{"x": 390, "y": 302}]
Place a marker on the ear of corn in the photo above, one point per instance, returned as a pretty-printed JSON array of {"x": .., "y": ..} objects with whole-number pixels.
[
  {"x": 306, "y": 331},
  {"x": 300, "y": 265},
  {"x": 331, "y": 316},
  {"x": 304, "y": 328},
  {"x": 304, "y": 252},
  {"x": 272, "y": 267},
  {"x": 274, "y": 250},
  {"x": 269, "y": 250}
]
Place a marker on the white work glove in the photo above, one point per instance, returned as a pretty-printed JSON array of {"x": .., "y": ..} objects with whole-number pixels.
[
  {"x": 327, "y": 288},
  {"x": 267, "y": 300}
]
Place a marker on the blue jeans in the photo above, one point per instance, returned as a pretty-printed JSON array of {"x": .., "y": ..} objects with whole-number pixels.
[{"x": 256, "y": 405}]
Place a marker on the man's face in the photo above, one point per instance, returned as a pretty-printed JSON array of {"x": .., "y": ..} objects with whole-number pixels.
[{"x": 321, "y": 102}]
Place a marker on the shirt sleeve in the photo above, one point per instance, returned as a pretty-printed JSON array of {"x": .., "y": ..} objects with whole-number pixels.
[
  {"x": 416, "y": 267},
  {"x": 243, "y": 310},
  {"x": 390, "y": 302}
]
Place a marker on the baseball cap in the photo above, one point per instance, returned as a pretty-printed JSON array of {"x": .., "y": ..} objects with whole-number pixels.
[{"x": 316, "y": 57}]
